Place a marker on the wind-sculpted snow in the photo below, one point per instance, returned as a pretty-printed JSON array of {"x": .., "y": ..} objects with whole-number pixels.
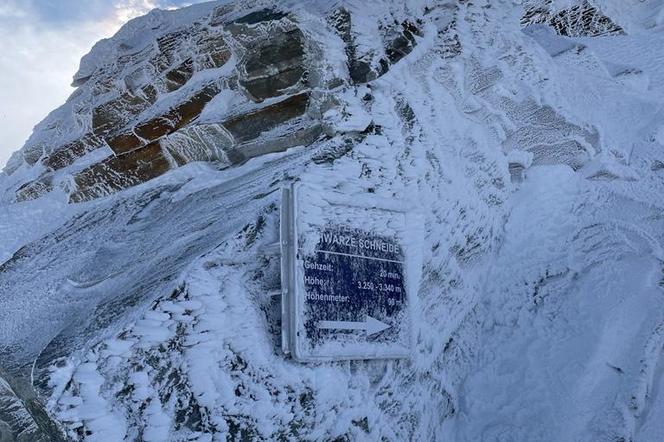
[
  {"x": 114, "y": 267},
  {"x": 535, "y": 160},
  {"x": 582, "y": 344}
]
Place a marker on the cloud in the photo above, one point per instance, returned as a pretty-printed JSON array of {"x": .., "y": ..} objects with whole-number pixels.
[
  {"x": 43, "y": 42},
  {"x": 57, "y": 13},
  {"x": 11, "y": 10}
]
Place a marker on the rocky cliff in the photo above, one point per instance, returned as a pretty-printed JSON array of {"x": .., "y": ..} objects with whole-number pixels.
[
  {"x": 236, "y": 83},
  {"x": 134, "y": 286}
]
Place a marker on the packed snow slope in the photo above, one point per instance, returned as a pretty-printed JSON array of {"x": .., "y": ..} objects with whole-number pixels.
[{"x": 135, "y": 291}]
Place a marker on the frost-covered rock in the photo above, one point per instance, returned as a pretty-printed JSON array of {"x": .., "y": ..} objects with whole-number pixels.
[
  {"x": 134, "y": 288},
  {"x": 573, "y": 19},
  {"x": 150, "y": 90}
]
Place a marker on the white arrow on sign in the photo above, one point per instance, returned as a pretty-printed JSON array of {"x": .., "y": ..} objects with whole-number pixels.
[{"x": 370, "y": 325}]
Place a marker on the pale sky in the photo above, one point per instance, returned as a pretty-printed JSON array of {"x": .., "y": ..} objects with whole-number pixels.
[{"x": 42, "y": 44}]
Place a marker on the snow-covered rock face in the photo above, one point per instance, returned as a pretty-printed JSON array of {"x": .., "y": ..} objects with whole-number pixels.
[
  {"x": 134, "y": 293},
  {"x": 234, "y": 83},
  {"x": 574, "y": 19},
  {"x": 143, "y": 102}
]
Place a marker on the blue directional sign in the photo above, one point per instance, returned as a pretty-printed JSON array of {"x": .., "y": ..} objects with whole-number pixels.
[
  {"x": 345, "y": 279},
  {"x": 353, "y": 281}
]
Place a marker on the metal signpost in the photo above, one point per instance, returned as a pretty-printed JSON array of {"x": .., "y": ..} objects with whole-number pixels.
[{"x": 348, "y": 273}]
